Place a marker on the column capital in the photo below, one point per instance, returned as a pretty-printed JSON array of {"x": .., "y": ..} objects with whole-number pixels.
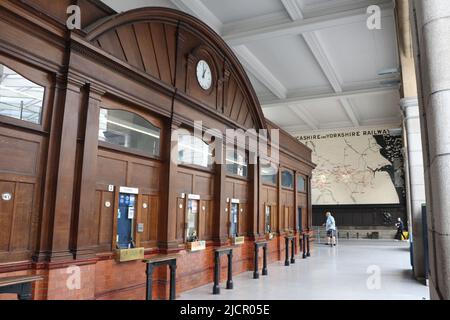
[
  {"x": 411, "y": 102},
  {"x": 410, "y": 107}
]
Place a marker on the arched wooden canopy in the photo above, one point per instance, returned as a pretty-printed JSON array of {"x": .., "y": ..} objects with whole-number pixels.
[{"x": 165, "y": 43}]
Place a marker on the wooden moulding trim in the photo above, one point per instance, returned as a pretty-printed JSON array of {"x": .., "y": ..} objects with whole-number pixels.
[
  {"x": 15, "y": 266},
  {"x": 38, "y": 23},
  {"x": 297, "y": 158},
  {"x": 198, "y": 105},
  {"x": 88, "y": 50},
  {"x": 26, "y": 57}
]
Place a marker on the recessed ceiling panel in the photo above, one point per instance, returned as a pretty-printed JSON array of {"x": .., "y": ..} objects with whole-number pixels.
[
  {"x": 290, "y": 60},
  {"x": 283, "y": 117},
  {"x": 121, "y": 5},
  {"x": 377, "y": 106},
  {"x": 261, "y": 90},
  {"x": 236, "y": 10},
  {"x": 357, "y": 53},
  {"x": 329, "y": 111}
]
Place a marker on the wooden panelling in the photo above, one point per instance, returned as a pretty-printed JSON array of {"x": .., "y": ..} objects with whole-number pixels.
[
  {"x": 149, "y": 47},
  {"x": 18, "y": 155},
  {"x": 206, "y": 219},
  {"x": 16, "y": 223},
  {"x": 149, "y": 217},
  {"x": 115, "y": 168},
  {"x": 58, "y": 174},
  {"x": 106, "y": 218},
  {"x": 110, "y": 170}
]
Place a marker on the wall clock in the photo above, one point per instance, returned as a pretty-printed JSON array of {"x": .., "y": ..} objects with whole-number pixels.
[{"x": 204, "y": 75}]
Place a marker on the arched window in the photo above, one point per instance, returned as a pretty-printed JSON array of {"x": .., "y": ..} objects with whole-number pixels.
[
  {"x": 129, "y": 130},
  {"x": 194, "y": 151},
  {"x": 269, "y": 174},
  {"x": 237, "y": 162},
  {"x": 287, "y": 179},
  {"x": 19, "y": 97}
]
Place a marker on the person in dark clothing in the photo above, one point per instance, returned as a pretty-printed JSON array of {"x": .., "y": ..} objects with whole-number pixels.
[{"x": 400, "y": 227}]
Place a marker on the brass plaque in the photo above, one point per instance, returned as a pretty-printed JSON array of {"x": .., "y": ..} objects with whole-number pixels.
[
  {"x": 196, "y": 245},
  {"x": 123, "y": 255},
  {"x": 239, "y": 240}
]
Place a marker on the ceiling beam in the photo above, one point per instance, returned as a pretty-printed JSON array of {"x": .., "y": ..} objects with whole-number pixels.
[
  {"x": 253, "y": 65},
  {"x": 299, "y": 111},
  {"x": 293, "y": 9},
  {"x": 252, "y": 33},
  {"x": 322, "y": 59},
  {"x": 199, "y": 10},
  {"x": 329, "y": 96},
  {"x": 348, "y": 108}
]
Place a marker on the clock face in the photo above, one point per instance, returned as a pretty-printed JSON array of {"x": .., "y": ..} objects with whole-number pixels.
[{"x": 204, "y": 75}]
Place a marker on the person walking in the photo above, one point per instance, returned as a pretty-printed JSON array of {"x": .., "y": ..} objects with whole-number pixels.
[
  {"x": 330, "y": 227},
  {"x": 400, "y": 227}
]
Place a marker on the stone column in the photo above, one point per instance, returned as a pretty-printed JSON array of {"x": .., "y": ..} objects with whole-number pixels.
[
  {"x": 431, "y": 25},
  {"x": 416, "y": 183}
]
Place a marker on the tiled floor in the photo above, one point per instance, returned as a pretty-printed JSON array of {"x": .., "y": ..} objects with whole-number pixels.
[{"x": 331, "y": 273}]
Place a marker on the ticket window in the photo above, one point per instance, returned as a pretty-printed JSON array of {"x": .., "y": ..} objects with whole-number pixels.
[
  {"x": 192, "y": 220},
  {"x": 299, "y": 219},
  {"x": 286, "y": 218},
  {"x": 234, "y": 218},
  {"x": 125, "y": 221},
  {"x": 268, "y": 218}
]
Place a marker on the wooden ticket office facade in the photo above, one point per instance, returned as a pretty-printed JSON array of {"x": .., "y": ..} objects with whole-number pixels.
[{"x": 96, "y": 134}]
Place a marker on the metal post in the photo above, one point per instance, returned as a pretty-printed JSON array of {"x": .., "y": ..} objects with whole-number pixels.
[
  {"x": 286, "y": 261},
  {"x": 264, "y": 270},
  {"x": 293, "y": 250},
  {"x": 216, "y": 288},
  {"x": 304, "y": 246},
  {"x": 149, "y": 284},
  {"x": 308, "y": 254},
  {"x": 230, "y": 270},
  {"x": 255, "y": 271},
  {"x": 173, "y": 275}
]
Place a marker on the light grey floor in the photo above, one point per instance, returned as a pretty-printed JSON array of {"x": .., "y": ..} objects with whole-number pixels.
[{"x": 348, "y": 271}]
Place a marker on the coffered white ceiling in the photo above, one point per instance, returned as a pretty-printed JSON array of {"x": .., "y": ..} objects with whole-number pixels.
[{"x": 314, "y": 64}]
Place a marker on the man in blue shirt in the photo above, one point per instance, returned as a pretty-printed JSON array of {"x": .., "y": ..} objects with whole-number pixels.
[{"x": 330, "y": 226}]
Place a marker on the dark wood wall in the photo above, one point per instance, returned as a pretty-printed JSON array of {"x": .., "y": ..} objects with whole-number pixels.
[{"x": 141, "y": 61}]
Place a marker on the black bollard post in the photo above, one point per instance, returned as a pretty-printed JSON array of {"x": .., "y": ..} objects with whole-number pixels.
[
  {"x": 264, "y": 270},
  {"x": 293, "y": 250},
  {"x": 149, "y": 284},
  {"x": 286, "y": 261},
  {"x": 173, "y": 270},
  {"x": 216, "y": 288},
  {"x": 308, "y": 253},
  {"x": 256, "y": 271},
  {"x": 230, "y": 271},
  {"x": 304, "y": 246}
]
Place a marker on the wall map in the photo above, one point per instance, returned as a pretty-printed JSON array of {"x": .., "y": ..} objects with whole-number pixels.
[{"x": 358, "y": 167}]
